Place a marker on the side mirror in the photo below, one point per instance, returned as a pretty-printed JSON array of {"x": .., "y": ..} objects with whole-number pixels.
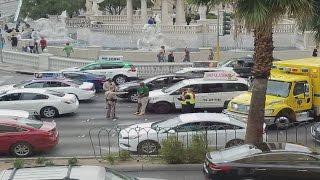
[{"x": 306, "y": 88}]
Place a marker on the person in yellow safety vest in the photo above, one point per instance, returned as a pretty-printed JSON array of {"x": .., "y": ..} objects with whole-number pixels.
[
  {"x": 190, "y": 100},
  {"x": 183, "y": 100}
]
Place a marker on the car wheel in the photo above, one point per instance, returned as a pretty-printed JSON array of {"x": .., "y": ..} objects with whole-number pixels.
[
  {"x": 120, "y": 79},
  {"x": 133, "y": 97},
  {"x": 21, "y": 149},
  {"x": 234, "y": 142},
  {"x": 49, "y": 112},
  {"x": 282, "y": 122},
  {"x": 148, "y": 147},
  {"x": 162, "y": 107}
]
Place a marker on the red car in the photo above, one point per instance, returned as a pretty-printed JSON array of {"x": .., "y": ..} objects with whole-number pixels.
[{"x": 21, "y": 137}]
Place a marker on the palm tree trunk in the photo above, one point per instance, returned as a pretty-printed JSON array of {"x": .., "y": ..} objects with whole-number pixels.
[{"x": 263, "y": 55}]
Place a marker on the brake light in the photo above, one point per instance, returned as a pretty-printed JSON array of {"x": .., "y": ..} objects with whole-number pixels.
[
  {"x": 133, "y": 69},
  {"x": 220, "y": 168}
]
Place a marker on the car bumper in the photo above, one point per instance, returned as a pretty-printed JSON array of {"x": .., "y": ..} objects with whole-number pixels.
[
  {"x": 87, "y": 95},
  {"x": 69, "y": 108},
  {"x": 50, "y": 144},
  {"x": 268, "y": 120}
]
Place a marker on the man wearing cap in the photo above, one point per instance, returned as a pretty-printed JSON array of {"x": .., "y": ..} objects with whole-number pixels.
[
  {"x": 111, "y": 99},
  {"x": 106, "y": 86},
  {"x": 143, "y": 93}
]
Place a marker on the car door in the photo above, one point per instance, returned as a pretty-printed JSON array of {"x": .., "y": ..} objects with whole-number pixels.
[
  {"x": 210, "y": 96},
  {"x": 33, "y": 102},
  {"x": 8, "y": 136},
  {"x": 58, "y": 86},
  {"x": 196, "y": 89},
  {"x": 11, "y": 101},
  {"x": 187, "y": 131},
  {"x": 110, "y": 70},
  {"x": 303, "y": 98}
]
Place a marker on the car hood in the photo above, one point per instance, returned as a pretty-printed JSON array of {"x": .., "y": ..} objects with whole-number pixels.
[
  {"x": 245, "y": 99},
  {"x": 6, "y": 88},
  {"x": 133, "y": 130},
  {"x": 156, "y": 93}
]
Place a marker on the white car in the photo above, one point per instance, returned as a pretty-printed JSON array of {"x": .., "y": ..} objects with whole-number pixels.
[
  {"x": 82, "y": 90},
  {"x": 119, "y": 71},
  {"x": 200, "y": 71},
  {"x": 19, "y": 114},
  {"x": 209, "y": 93},
  {"x": 47, "y": 103},
  {"x": 220, "y": 129}
]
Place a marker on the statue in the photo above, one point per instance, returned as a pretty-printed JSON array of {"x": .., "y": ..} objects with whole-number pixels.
[
  {"x": 89, "y": 4},
  {"x": 95, "y": 7},
  {"x": 156, "y": 4}
]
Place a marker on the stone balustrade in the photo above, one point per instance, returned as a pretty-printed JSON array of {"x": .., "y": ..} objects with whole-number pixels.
[
  {"x": 117, "y": 29},
  {"x": 181, "y": 29},
  {"x": 19, "y": 58},
  {"x": 115, "y": 19}
]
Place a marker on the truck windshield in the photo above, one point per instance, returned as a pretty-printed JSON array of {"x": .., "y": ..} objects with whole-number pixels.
[{"x": 278, "y": 88}]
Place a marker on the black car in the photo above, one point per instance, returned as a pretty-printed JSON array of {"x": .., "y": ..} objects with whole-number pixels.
[
  {"x": 157, "y": 82},
  {"x": 241, "y": 66},
  {"x": 269, "y": 161}
]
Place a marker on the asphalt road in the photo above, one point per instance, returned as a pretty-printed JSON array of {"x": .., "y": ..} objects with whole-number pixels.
[
  {"x": 170, "y": 175},
  {"x": 74, "y": 128}
]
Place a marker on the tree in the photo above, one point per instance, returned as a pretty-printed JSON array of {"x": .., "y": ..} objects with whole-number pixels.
[
  {"x": 115, "y": 7},
  {"x": 313, "y": 22},
  {"x": 41, "y": 8},
  {"x": 208, "y": 3},
  {"x": 260, "y": 16}
]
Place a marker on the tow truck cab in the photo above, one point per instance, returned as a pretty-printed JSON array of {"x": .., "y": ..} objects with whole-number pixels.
[{"x": 293, "y": 93}]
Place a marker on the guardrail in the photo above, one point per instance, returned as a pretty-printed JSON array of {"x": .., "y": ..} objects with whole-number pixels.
[{"x": 105, "y": 141}]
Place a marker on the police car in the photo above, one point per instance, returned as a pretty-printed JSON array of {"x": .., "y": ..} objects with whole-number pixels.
[
  {"x": 119, "y": 71},
  {"x": 214, "y": 90}
]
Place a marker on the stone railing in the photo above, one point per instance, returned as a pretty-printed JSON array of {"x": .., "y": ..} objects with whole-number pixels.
[
  {"x": 284, "y": 28},
  {"x": 77, "y": 22},
  {"x": 115, "y": 19},
  {"x": 117, "y": 29},
  {"x": 182, "y": 29},
  {"x": 58, "y": 63},
  {"x": 24, "y": 59}
]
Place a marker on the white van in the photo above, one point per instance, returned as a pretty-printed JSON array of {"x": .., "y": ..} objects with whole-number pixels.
[{"x": 211, "y": 91}]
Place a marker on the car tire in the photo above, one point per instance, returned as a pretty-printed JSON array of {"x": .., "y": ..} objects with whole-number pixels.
[
  {"x": 49, "y": 112},
  {"x": 21, "y": 149},
  {"x": 148, "y": 147},
  {"x": 133, "y": 97},
  {"x": 234, "y": 142},
  {"x": 120, "y": 79},
  {"x": 162, "y": 107}
]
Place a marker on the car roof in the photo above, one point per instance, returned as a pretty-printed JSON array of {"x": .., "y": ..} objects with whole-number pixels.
[
  {"x": 205, "y": 81},
  {"x": 109, "y": 62},
  {"x": 211, "y": 117},
  {"x": 57, "y": 172},
  {"x": 28, "y": 90}
]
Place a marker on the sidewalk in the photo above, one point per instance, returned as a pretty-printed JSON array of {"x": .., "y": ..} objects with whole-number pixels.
[{"x": 17, "y": 68}]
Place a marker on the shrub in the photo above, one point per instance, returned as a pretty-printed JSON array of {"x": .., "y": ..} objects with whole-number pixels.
[
  {"x": 18, "y": 163},
  {"x": 124, "y": 155},
  {"x": 211, "y": 16},
  {"x": 73, "y": 161},
  {"x": 110, "y": 158},
  {"x": 197, "y": 150},
  {"x": 172, "y": 151},
  {"x": 49, "y": 163},
  {"x": 40, "y": 160}
]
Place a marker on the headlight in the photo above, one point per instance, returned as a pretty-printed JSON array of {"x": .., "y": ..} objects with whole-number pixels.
[
  {"x": 268, "y": 112},
  {"x": 234, "y": 106}
]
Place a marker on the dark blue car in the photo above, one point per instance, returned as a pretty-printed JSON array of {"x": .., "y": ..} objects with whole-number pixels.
[{"x": 97, "y": 80}]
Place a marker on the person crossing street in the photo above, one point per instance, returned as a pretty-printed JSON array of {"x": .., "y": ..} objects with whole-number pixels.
[{"x": 143, "y": 93}]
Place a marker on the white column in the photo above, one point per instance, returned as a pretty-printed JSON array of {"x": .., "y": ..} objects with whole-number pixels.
[
  {"x": 165, "y": 18},
  {"x": 129, "y": 12},
  {"x": 144, "y": 15},
  {"x": 202, "y": 12},
  {"x": 180, "y": 17}
]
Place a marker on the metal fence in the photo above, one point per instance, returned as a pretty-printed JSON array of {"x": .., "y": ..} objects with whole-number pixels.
[{"x": 147, "y": 141}]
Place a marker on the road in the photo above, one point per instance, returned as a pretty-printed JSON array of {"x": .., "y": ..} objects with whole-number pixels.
[
  {"x": 170, "y": 175},
  {"x": 74, "y": 128}
]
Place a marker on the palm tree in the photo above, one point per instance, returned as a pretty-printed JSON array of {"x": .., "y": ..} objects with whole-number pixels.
[
  {"x": 313, "y": 23},
  {"x": 260, "y": 16}
]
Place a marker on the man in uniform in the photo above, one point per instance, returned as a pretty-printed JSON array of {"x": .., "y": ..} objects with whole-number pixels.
[
  {"x": 190, "y": 99},
  {"x": 106, "y": 86},
  {"x": 182, "y": 100},
  {"x": 143, "y": 93},
  {"x": 111, "y": 99}
]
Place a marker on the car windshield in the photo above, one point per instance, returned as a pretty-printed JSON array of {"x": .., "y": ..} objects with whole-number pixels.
[
  {"x": 113, "y": 175},
  {"x": 33, "y": 123},
  {"x": 222, "y": 63},
  {"x": 173, "y": 87},
  {"x": 20, "y": 84},
  {"x": 278, "y": 88},
  {"x": 165, "y": 124},
  {"x": 55, "y": 93}
]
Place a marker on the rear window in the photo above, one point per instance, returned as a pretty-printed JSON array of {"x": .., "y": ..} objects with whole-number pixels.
[
  {"x": 55, "y": 93},
  {"x": 32, "y": 123}
]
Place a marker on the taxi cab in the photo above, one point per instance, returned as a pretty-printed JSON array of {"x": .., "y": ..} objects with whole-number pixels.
[{"x": 214, "y": 90}]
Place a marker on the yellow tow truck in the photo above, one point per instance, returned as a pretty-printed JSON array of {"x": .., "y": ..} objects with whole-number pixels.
[{"x": 293, "y": 94}]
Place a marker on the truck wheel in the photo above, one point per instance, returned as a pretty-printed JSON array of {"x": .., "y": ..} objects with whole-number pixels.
[
  {"x": 282, "y": 122},
  {"x": 162, "y": 107}
]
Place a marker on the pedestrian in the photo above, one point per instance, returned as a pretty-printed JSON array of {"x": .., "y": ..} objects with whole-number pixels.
[
  {"x": 150, "y": 21},
  {"x": 174, "y": 18},
  {"x": 190, "y": 99},
  {"x": 31, "y": 46},
  {"x": 161, "y": 57},
  {"x": 183, "y": 100},
  {"x": 109, "y": 84},
  {"x": 188, "y": 19},
  {"x": 143, "y": 94},
  {"x": 68, "y": 49},
  {"x": 43, "y": 43},
  {"x": 211, "y": 55},
  {"x": 6, "y": 28},
  {"x": 186, "y": 57},
  {"x": 315, "y": 51},
  {"x": 111, "y": 103},
  {"x": 171, "y": 57},
  {"x": 14, "y": 38}
]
